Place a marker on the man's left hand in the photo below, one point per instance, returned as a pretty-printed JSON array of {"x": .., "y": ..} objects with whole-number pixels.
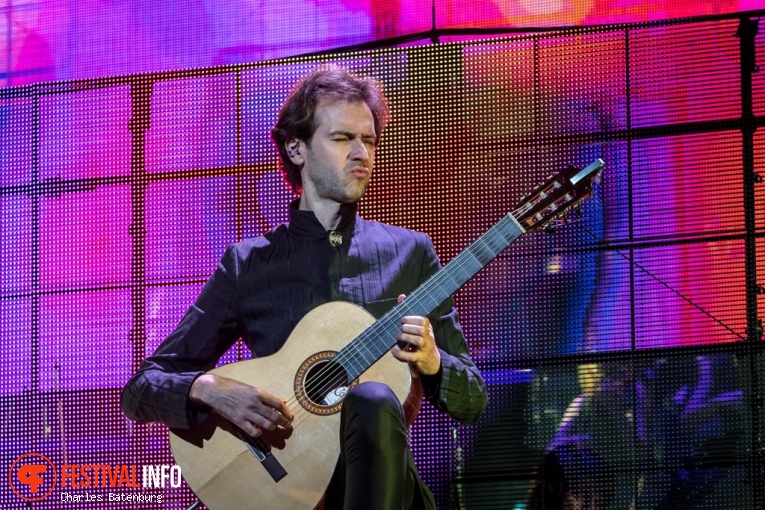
[{"x": 416, "y": 345}]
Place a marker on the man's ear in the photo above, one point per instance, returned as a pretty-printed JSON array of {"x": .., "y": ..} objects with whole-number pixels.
[{"x": 293, "y": 151}]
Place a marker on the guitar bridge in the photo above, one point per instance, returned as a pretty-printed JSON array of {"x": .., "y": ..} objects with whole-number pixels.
[{"x": 264, "y": 456}]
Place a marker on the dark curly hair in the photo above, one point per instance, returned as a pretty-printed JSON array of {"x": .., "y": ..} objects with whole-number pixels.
[{"x": 297, "y": 118}]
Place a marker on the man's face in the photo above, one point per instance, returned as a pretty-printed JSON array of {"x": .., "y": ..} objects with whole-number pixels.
[{"x": 338, "y": 162}]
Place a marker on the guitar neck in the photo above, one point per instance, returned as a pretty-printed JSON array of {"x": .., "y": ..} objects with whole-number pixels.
[{"x": 376, "y": 340}]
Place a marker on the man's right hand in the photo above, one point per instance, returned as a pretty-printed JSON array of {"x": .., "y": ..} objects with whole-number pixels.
[{"x": 251, "y": 409}]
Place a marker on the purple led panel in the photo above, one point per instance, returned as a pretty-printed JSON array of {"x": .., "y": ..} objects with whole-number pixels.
[
  {"x": 709, "y": 275},
  {"x": 16, "y": 256},
  {"x": 582, "y": 83},
  {"x": 84, "y": 340},
  {"x": 16, "y": 148},
  {"x": 759, "y": 167},
  {"x": 688, "y": 185},
  {"x": 188, "y": 223},
  {"x": 758, "y": 79},
  {"x": 675, "y": 72},
  {"x": 16, "y": 346},
  {"x": 84, "y": 239},
  {"x": 193, "y": 124},
  {"x": 85, "y": 134}
]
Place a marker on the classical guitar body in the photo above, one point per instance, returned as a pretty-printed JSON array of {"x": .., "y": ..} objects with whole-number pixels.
[{"x": 229, "y": 473}]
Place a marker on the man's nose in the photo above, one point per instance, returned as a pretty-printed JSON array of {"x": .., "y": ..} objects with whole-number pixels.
[{"x": 359, "y": 150}]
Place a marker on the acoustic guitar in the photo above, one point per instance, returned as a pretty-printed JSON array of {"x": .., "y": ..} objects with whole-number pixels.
[{"x": 334, "y": 347}]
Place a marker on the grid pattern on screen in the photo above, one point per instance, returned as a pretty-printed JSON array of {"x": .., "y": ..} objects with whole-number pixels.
[{"x": 619, "y": 356}]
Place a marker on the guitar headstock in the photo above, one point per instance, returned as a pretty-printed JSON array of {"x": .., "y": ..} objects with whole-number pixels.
[{"x": 555, "y": 197}]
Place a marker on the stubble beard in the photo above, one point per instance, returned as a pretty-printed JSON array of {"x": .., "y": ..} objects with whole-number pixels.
[
  {"x": 330, "y": 185},
  {"x": 344, "y": 194}
]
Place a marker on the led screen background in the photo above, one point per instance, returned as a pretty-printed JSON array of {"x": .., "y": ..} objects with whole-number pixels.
[
  {"x": 625, "y": 335},
  {"x": 45, "y": 40}
]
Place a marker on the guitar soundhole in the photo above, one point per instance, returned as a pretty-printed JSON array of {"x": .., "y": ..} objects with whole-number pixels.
[{"x": 321, "y": 384}]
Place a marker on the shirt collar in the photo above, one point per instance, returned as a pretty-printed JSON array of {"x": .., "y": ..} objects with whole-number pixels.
[{"x": 306, "y": 224}]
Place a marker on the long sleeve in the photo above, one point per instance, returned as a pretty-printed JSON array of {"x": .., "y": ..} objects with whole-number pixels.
[{"x": 159, "y": 390}]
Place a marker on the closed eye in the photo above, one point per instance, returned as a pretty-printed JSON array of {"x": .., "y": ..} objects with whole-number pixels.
[{"x": 340, "y": 136}]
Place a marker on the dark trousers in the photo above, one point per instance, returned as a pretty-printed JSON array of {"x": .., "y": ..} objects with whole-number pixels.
[{"x": 373, "y": 470}]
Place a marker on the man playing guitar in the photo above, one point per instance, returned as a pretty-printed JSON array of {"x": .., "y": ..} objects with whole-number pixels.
[{"x": 327, "y": 133}]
